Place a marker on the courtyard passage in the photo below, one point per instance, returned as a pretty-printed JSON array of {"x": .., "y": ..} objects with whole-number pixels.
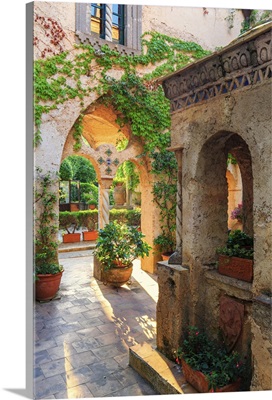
[{"x": 82, "y": 337}]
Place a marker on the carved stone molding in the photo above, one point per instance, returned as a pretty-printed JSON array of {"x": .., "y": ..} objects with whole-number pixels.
[{"x": 242, "y": 65}]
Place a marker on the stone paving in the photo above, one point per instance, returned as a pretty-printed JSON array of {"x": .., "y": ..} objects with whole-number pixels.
[{"x": 82, "y": 337}]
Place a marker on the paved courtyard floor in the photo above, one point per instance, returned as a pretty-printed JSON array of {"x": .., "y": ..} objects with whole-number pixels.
[{"x": 82, "y": 337}]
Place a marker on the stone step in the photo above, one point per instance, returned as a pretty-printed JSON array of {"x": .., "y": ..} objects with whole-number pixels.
[{"x": 164, "y": 375}]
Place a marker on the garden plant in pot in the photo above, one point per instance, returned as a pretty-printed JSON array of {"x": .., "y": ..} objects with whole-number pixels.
[
  {"x": 236, "y": 258},
  {"x": 69, "y": 222},
  {"x": 89, "y": 200},
  {"x": 165, "y": 243},
  {"x": 118, "y": 245},
  {"x": 88, "y": 220},
  {"x": 207, "y": 365},
  {"x": 48, "y": 271}
]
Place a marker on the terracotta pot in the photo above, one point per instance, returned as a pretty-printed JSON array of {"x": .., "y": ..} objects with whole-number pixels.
[
  {"x": 119, "y": 195},
  {"x": 198, "y": 380},
  {"x": 166, "y": 256},
  {"x": 235, "y": 267},
  {"x": 71, "y": 237},
  {"x": 117, "y": 276},
  {"x": 47, "y": 286},
  {"x": 92, "y": 206},
  {"x": 90, "y": 235},
  {"x": 74, "y": 206}
]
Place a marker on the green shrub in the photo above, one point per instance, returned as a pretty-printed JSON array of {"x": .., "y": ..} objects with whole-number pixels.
[
  {"x": 88, "y": 219},
  {"x": 129, "y": 217},
  {"x": 68, "y": 221},
  {"x": 72, "y": 220}
]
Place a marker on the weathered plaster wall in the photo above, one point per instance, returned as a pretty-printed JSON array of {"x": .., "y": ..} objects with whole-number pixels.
[
  {"x": 208, "y": 27},
  {"x": 64, "y": 14},
  {"x": 193, "y": 127},
  {"x": 209, "y": 126}
]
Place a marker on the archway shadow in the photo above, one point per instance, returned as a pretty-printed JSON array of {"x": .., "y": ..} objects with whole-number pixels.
[{"x": 131, "y": 307}]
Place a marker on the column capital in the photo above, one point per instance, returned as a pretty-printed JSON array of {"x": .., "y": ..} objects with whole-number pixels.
[{"x": 106, "y": 182}]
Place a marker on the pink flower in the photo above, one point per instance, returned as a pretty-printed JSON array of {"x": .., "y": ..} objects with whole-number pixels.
[{"x": 197, "y": 333}]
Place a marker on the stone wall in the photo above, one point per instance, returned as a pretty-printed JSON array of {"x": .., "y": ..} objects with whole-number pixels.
[{"x": 208, "y": 127}]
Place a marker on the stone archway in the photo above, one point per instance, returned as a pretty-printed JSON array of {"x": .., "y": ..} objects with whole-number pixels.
[
  {"x": 101, "y": 134},
  {"x": 210, "y": 194}
]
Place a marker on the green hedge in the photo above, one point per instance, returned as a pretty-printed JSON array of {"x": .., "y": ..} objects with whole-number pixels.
[
  {"x": 129, "y": 217},
  {"x": 81, "y": 218}
]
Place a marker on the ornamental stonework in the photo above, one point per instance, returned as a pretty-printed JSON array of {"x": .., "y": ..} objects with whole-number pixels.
[{"x": 248, "y": 63}]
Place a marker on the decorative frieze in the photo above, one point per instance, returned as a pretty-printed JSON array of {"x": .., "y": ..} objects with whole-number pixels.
[{"x": 242, "y": 65}]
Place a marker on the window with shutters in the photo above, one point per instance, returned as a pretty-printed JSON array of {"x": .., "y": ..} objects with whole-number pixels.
[{"x": 116, "y": 23}]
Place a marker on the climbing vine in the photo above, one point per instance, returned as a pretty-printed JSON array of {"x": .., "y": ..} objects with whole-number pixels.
[
  {"x": 141, "y": 101},
  {"x": 137, "y": 96}
]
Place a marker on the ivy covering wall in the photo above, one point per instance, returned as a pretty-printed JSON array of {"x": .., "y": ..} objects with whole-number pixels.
[{"x": 137, "y": 97}]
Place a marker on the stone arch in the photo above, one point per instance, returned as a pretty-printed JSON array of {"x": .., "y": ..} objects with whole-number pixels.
[
  {"x": 210, "y": 221},
  {"x": 101, "y": 133}
]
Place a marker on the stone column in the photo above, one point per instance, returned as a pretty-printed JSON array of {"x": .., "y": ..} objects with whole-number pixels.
[
  {"x": 108, "y": 23},
  {"x": 172, "y": 307},
  {"x": 104, "y": 202},
  {"x": 176, "y": 257}
]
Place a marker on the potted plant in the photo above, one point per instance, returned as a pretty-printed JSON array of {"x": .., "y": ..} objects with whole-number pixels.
[
  {"x": 68, "y": 220},
  {"x": 48, "y": 271},
  {"x": 165, "y": 244},
  {"x": 92, "y": 204},
  {"x": 88, "y": 199},
  {"x": 88, "y": 220},
  {"x": 207, "y": 365},
  {"x": 118, "y": 245},
  {"x": 236, "y": 258}
]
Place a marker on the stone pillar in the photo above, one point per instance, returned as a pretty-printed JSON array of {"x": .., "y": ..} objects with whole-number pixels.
[
  {"x": 172, "y": 307},
  {"x": 104, "y": 202},
  {"x": 176, "y": 257},
  {"x": 108, "y": 23}
]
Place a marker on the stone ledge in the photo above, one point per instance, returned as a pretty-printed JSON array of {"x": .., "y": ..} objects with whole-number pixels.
[
  {"x": 163, "y": 374},
  {"x": 234, "y": 287}
]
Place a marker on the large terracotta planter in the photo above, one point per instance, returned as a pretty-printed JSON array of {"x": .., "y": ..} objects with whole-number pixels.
[
  {"x": 47, "y": 286},
  {"x": 71, "y": 237},
  {"x": 119, "y": 195},
  {"x": 198, "y": 380},
  {"x": 117, "y": 276},
  {"x": 239, "y": 268},
  {"x": 90, "y": 235}
]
